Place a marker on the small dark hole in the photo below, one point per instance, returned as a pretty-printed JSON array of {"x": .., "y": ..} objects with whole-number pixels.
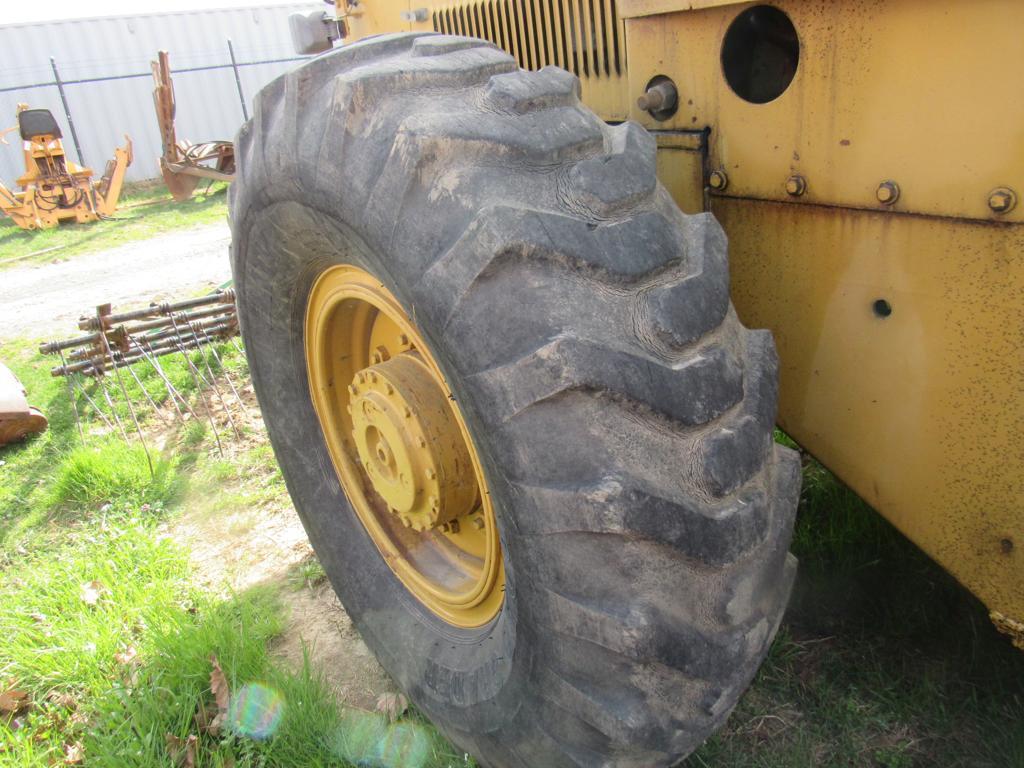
[
  {"x": 760, "y": 54},
  {"x": 882, "y": 308},
  {"x": 1006, "y": 545}
]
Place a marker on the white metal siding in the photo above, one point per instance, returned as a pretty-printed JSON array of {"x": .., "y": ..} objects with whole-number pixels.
[{"x": 208, "y": 104}]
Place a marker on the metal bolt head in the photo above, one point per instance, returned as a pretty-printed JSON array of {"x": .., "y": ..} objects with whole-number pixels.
[
  {"x": 888, "y": 192},
  {"x": 1002, "y": 200},
  {"x": 796, "y": 185},
  {"x": 718, "y": 180},
  {"x": 478, "y": 522}
]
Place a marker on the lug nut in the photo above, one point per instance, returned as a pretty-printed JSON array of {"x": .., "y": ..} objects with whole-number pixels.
[
  {"x": 478, "y": 523},
  {"x": 888, "y": 192},
  {"x": 718, "y": 180},
  {"x": 1002, "y": 200},
  {"x": 661, "y": 97},
  {"x": 796, "y": 185}
]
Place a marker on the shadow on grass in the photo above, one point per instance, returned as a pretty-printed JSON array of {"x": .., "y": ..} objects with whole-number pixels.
[{"x": 883, "y": 659}]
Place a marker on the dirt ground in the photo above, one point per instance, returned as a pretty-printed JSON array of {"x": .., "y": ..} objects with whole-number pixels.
[
  {"x": 249, "y": 545},
  {"x": 46, "y": 299}
]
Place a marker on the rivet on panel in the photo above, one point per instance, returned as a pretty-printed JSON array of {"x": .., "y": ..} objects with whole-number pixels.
[
  {"x": 718, "y": 180},
  {"x": 1002, "y": 200},
  {"x": 888, "y": 192},
  {"x": 796, "y": 185}
]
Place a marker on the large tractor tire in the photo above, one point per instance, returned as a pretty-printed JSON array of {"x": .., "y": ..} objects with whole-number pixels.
[{"x": 528, "y": 437}]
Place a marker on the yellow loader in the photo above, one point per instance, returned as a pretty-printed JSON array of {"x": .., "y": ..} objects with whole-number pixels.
[{"x": 480, "y": 251}]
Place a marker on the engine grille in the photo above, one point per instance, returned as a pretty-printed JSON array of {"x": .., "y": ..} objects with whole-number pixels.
[{"x": 582, "y": 36}]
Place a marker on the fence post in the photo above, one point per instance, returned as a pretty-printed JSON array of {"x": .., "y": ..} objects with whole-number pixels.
[
  {"x": 238, "y": 80},
  {"x": 67, "y": 111}
]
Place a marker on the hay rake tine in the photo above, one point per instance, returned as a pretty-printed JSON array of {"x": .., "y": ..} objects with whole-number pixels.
[
  {"x": 213, "y": 380},
  {"x": 202, "y": 394},
  {"x": 171, "y": 389},
  {"x": 124, "y": 393},
  {"x": 227, "y": 376},
  {"x": 74, "y": 402},
  {"x": 106, "y": 396},
  {"x": 95, "y": 407},
  {"x": 145, "y": 393}
]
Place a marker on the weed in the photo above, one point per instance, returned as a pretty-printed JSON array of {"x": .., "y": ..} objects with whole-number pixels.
[
  {"x": 307, "y": 574},
  {"x": 111, "y": 470}
]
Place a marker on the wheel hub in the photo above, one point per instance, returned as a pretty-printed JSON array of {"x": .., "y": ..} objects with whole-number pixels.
[{"x": 409, "y": 444}]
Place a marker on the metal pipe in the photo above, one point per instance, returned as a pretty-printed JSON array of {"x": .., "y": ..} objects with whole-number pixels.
[
  {"x": 67, "y": 111},
  {"x": 238, "y": 80}
]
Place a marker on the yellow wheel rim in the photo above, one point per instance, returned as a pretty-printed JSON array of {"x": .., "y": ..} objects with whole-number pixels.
[{"x": 403, "y": 454}]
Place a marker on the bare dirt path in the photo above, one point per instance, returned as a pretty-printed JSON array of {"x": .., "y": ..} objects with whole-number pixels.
[{"x": 41, "y": 300}]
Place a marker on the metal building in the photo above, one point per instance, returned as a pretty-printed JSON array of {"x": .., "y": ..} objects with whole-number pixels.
[{"x": 114, "y": 55}]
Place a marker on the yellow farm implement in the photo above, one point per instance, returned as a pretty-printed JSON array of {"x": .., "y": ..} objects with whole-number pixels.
[{"x": 53, "y": 188}]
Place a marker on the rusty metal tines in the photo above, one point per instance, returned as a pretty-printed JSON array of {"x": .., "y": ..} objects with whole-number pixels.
[
  {"x": 95, "y": 364},
  {"x": 167, "y": 382},
  {"x": 107, "y": 320},
  {"x": 88, "y": 398},
  {"x": 202, "y": 394},
  {"x": 128, "y": 401},
  {"x": 106, "y": 396},
  {"x": 74, "y": 403},
  {"x": 216, "y": 388},
  {"x": 222, "y": 312},
  {"x": 145, "y": 392},
  {"x": 220, "y": 364}
]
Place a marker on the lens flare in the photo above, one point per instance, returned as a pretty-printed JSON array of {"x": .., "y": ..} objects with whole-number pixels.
[
  {"x": 368, "y": 741},
  {"x": 255, "y": 711}
]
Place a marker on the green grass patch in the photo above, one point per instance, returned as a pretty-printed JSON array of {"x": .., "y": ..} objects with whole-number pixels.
[
  {"x": 93, "y": 475},
  {"x": 146, "y": 209},
  {"x": 102, "y": 628}
]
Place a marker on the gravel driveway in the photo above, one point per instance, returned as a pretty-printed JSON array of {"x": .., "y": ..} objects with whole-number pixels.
[{"x": 45, "y": 300}]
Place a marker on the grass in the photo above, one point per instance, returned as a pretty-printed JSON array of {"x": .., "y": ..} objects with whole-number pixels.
[
  {"x": 106, "y": 634},
  {"x": 882, "y": 659},
  {"x": 146, "y": 209}
]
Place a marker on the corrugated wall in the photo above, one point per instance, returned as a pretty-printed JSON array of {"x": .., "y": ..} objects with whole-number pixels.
[{"x": 208, "y": 103}]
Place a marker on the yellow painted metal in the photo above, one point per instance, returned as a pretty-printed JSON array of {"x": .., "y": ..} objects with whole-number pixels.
[
  {"x": 401, "y": 448},
  {"x": 680, "y": 163},
  {"x": 54, "y": 189},
  {"x": 919, "y": 411},
  {"x": 878, "y": 95}
]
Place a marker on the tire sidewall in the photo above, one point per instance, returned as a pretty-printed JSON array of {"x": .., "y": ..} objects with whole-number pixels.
[{"x": 464, "y": 680}]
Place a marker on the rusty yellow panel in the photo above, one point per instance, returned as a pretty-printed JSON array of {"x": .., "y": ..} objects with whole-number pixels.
[
  {"x": 922, "y": 93},
  {"x": 631, "y": 8},
  {"x": 919, "y": 411},
  {"x": 680, "y": 170}
]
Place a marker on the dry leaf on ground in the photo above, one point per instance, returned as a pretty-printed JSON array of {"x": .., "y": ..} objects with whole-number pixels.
[
  {"x": 392, "y": 704},
  {"x": 127, "y": 656},
  {"x": 13, "y": 700},
  {"x": 182, "y": 751},
  {"x": 91, "y": 592},
  {"x": 221, "y": 694},
  {"x": 73, "y": 753}
]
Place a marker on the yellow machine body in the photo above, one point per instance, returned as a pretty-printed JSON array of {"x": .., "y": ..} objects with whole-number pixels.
[
  {"x": 873, "y": 227},
  {"x": 53, "y": 188}
]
